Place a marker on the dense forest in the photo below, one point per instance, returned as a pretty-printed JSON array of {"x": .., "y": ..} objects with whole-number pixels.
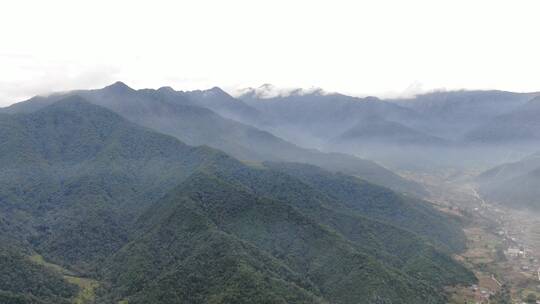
[{"x": 154, "y": 220}]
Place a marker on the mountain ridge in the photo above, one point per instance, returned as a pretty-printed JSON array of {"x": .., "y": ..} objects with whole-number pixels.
[
  {"x": 94, "y": 214},
  {"x": 174, "y": 114}
]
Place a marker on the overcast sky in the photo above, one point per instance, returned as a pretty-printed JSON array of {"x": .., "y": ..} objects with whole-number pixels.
[{"x": 357, "y": 47}]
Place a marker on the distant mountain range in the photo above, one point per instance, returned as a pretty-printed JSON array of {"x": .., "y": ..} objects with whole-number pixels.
[
  {"x": 87, "y": 185},
  {"x": 519, "y": 126},
  {"x": 515, "y": 184},
  {"x": 322, "y": 116},
  {"x": 439, "y": 129},
  {"x": 384, "y": 132},
  {"x": 200, "y": 197},
  {"x": 268, "y": 124},
  {"x": 447, "y": 115},
  {"x": 190, "y": 117}
]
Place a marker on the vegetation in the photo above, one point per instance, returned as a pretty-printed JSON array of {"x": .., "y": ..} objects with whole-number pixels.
[
  {"x": 87, "y": 289},
  {"x": 382, "y": 204},
  {"x": 26, "y": 282},
  {"x": 515, "y": 184},
  {"x": 531, "y": 298},
  {"x": 188, "y": 118},
  {"x": 503, "y": 296},
  {"x": 157, "y": 221},
  {"x": 86, "y": 292},
  {"x": 303, "y": 253}
]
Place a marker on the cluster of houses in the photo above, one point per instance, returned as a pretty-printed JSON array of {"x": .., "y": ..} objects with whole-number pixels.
[
  {"x": 523, "y": 258},
  {"x": 514, "y": 252},
  {"x": 482, "y": 295}
]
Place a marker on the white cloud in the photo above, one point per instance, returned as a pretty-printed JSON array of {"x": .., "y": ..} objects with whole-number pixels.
[
  {"x": 26, "y": 76},
  {"x": 355, "y": 47},
  {"x": 267, "y": 91}
]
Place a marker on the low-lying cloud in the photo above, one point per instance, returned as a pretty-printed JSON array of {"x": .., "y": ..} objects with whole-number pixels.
[{"x": 25, "y": 77}]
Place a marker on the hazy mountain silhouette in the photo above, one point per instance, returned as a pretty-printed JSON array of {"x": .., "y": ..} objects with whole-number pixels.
[
  {"x": 515, "y": 184},
  {"x": 519, "y": 126},
  {"x": 174, "y": 113}
]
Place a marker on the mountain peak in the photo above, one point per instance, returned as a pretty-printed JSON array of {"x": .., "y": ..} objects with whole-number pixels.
[
  {"x": 371, "y": 99},
  {"x": 118, "y": 87},
  {"x": 216, "y": 91},
  {"x": 166, "y": 89}
]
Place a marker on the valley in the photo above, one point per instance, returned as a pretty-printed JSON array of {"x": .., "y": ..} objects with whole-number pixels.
[
  {"x": 503, "y": 244},
  {"x": 117, "y": 195},
  {"x": 269, "y": 152}
]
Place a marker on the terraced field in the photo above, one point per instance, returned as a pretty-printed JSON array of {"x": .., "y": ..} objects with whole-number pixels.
[{"x": 87, "y": 287}]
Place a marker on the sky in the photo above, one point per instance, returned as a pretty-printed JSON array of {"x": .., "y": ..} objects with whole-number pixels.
[{"x": 380, "y": 47}]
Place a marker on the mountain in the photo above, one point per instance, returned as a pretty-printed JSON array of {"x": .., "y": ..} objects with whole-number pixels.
[
  {"x": 223, "y": 104},
  {"x": 465, "y": 105},
  {"x": 380, "y": 203},
  {"x": 434, "y": 130},
  {"x": 174, "y": 113},
  {"x": 77, "y": 172},
  {"x": 25, "y": 282},
  {"x": 305, "y": 261},
  {"x": 515, "y": 184},
  {"x": 423, "y": 133},
  {"x": 451, "y": 114},
  {"x": 301, "y": 107},
  {"x": 384, "y": 132},
  {"x": 155, "y": 220},
  {"x": 510, "y": 170},
  {"x": 520, "y": 126},
  {"x": 320, "y": 116}
]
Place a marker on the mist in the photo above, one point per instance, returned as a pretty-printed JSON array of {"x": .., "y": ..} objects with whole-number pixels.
[{"x": 435, "y": 155}]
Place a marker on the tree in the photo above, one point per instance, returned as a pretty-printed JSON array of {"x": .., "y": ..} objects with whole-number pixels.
[{"x": 531, "y": 298}]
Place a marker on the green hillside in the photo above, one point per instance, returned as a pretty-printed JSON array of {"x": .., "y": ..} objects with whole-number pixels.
[
  {"x": 380, "y": 203},
  {"x": 515, "y": 184},
  {"x": 155, "y": 220},
  {"x": 22, "y": 281},
  {"x": 179, "y": 115},
  {"x": 312, "y": 257}
]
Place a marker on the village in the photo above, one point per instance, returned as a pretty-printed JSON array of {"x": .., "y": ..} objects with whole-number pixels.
[
  {"x": 510, "y": 256},
  {"x": 503, "y": 245}
]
